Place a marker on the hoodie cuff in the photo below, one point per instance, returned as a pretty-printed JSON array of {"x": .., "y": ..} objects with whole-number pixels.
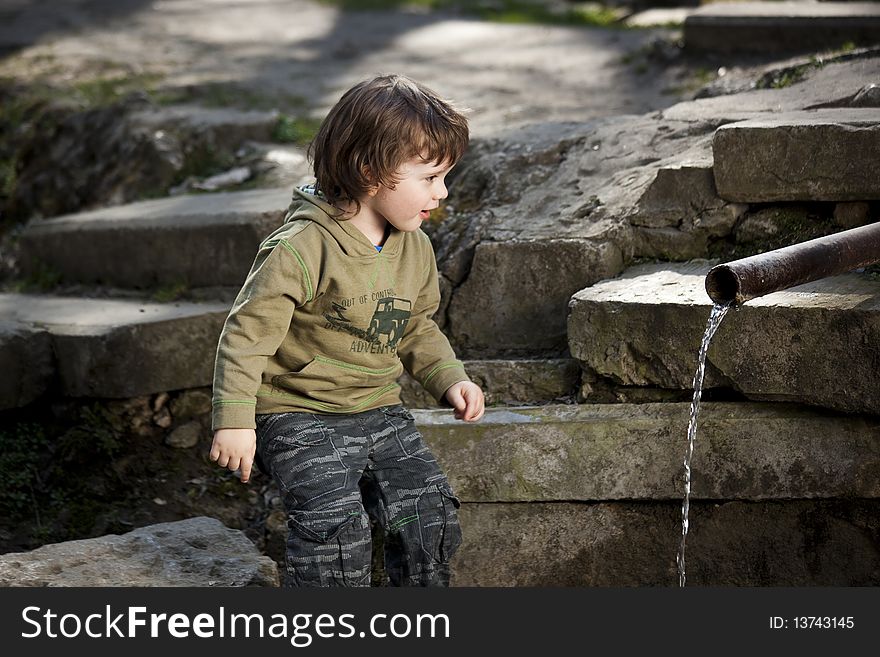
[
  {"x": 233, "y": 415},
  {"x": 442, "y": 377}
]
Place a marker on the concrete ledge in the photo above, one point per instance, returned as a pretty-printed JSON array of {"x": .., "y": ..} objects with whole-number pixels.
[
  {"x": 781, "y": 26},
  {"x": 111, "y": 348},
  {"x": 797, "y": 543},
  {"x": 634, "y": 452},
  {"x": 815, "y": 343},
  {"x": 818, "y": 155},
  {"x": 200, "y": 241}
]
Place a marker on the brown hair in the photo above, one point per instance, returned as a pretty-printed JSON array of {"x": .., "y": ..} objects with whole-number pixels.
[{"x": 374, "y": 128}]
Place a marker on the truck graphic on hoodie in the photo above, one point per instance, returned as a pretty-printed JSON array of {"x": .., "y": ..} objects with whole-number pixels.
[{"x": 390, "y": 319}]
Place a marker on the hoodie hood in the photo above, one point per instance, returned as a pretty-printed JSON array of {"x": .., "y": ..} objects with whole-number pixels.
[{"x": 309, "y": 205}]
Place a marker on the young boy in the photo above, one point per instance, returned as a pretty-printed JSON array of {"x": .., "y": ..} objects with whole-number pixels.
[{"x": 338, "y": 302}]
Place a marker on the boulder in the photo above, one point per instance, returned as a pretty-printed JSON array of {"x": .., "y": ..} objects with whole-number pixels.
[{"x": 194, "y": 552}]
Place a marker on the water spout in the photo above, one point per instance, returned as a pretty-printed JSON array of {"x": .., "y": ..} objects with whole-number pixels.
[{"x": 738, "y": 281}]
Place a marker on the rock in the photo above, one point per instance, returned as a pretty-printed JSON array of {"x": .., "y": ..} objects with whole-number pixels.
[
  {"x": 644, "y": 329},
  {"x": 211, "y": 129},
  {"x": 851, "y": 215},
  {"x": 818, "y": 155},
  {"x": 160, "y": 401},
  {"x": 162, "y": 418},
  {"x": 185, "y": 436},
  {"x": 194, "y": 552},
  {"x": 514, "y": 300},
  {"x": 26, "y": 362},
  {"x": 867, "y": 96},
  {"x": 230, "y": 178},
  {"x": 191, "y": 404},
  {"x": 80, "y": 159},
  {"x": 776, "y": 226},
  {"x": 680, "y": 210},
  {"x": 507, "y": 382}
]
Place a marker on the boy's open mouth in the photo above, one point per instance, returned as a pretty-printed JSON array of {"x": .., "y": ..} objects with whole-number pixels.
[{"x": 424, "y": 214}]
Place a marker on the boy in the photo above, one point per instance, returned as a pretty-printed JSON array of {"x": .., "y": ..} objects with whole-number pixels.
[{"x": 339, "y": 300}]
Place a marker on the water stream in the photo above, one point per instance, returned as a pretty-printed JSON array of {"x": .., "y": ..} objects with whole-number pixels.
[{"x": 718, "y": 313}]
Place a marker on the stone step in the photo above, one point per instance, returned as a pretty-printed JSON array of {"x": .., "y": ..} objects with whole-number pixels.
[
  {"x": 197, "y": 240},
  {"x": 508, "y": 382},
  {"x": 791, "y": 543},
  {"x": 752, "y": 27},
  {"x": 815, "y": 343},
  {"x": 608, "y": 452},
  {"x": 813, "y": 155},
  {"x": 105, "y": 347},
  {"x": 122, "y": 348}
]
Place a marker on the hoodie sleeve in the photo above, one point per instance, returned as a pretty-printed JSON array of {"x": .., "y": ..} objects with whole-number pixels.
[
  {"x": 424, "y": 350},
  {"x": 260, "y": 318}
]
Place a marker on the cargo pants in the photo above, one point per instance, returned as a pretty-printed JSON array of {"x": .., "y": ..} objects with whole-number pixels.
[{"x": 335, "y": 472}]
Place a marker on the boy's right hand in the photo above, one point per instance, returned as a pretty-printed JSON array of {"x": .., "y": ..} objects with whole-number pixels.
[{"x": 235, "y": 449}]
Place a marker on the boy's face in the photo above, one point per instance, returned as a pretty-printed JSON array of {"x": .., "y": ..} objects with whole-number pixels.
[{"x": 420, "y": 187}]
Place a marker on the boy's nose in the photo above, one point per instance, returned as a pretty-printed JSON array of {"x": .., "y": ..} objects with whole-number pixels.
[{"x": 441, "y": 192}]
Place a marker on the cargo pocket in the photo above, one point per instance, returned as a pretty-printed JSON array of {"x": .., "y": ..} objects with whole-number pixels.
[
  {"x": 329, "y": 547},
  {"x": 450, "y": 537}
]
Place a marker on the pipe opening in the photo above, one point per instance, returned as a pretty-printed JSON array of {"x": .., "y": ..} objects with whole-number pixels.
[{"x": 722, "y": 284}]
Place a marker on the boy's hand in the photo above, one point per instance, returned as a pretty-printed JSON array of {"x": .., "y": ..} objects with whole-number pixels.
[
  {"x": 467, "y": 400},
  {"x": 235, "y": 449}
]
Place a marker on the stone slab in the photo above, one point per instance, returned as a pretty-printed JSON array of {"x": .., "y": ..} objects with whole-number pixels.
[
  {"x": 194, "y": 552},
  {"x": 599, "y": 452},
  {"x": 765, "y": 27},
  {"x": 117, "y": 349},
  {"x": 513, "y": 301},
  {"x": 817, "y": 343},
  {"x": 817, "y": 155},
  {"x": 795, "y": 543},
  {"x": 26, "y": 364},
  {"x": 508, "y": 382},
  {"x": 197, "y": 240}
]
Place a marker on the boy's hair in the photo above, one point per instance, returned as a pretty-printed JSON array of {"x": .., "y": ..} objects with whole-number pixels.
[{"x": 374, "y": 128}]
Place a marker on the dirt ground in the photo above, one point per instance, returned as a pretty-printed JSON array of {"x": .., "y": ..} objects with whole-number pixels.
[{"x": 507, "y": 74}]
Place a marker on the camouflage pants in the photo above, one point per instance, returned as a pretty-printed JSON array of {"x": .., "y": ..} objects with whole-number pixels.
[{"x": 337, "y": 472}]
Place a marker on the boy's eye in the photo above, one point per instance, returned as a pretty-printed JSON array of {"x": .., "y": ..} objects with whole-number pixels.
[{"x": 431, "y": 178}]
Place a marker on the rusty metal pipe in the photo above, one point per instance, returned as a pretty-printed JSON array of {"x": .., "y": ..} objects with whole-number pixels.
[{"x": 761, "y": 274}]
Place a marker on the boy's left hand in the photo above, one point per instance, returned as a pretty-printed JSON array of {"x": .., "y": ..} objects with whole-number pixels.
[{"x": 467, "y": 400}]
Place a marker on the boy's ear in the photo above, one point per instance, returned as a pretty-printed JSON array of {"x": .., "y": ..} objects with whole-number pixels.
[{"x": 373, "y": 189}]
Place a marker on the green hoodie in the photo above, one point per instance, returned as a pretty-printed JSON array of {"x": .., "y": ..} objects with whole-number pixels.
[{"x": 325, "y": 324}]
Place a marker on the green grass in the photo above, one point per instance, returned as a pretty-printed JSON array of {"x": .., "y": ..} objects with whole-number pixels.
[
  {"x": 295, "y": 130},
  {"x": 501, "y": 11},
  {"x": 170, "y": 293},
  {"x": 44, "y": 278}
]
